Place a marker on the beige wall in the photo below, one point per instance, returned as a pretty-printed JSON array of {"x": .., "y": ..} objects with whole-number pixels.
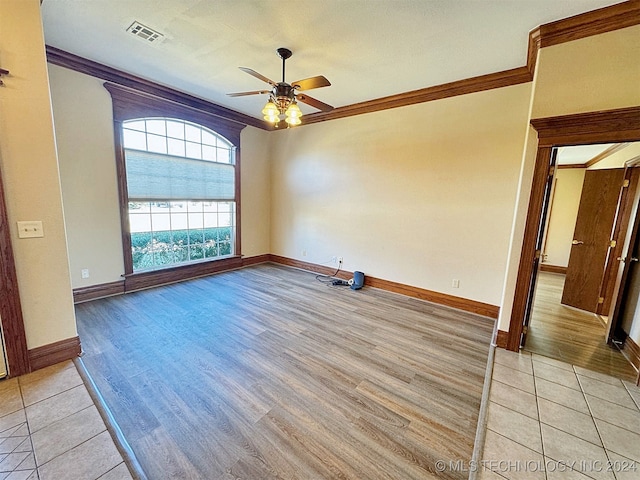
[
  {"x": 419, "y": 195},
  {"x": 88, "y": 174},
  {"x": 594, "y": 73},
  {"x": 601, "y": 72},
  {"x": 256, "y": 191},
  {"x": 619, "y": 158},
  {"x": 564, "y": 212},
  {"x": 30, "y": 176},
  {"x": 84, "y": 131}
]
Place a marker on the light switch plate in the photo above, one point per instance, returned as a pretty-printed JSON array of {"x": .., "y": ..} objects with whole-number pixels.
[{"x": 32, "y": 229}]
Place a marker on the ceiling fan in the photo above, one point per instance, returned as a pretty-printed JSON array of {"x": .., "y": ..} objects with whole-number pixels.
[{"x": 283, "y": 97}]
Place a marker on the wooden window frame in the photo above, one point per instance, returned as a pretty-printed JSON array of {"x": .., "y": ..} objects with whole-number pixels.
[
  {"x": 129, "y": 104},
  {"x": 610, "y": 126}
]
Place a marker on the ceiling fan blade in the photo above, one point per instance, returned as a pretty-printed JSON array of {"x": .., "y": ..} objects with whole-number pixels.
[
  {"x": 257, "y": 75},
  {"x": 313, "y": 82},
  {"x": 243, "y": 94},
  {"x": 314, "y": 103}
]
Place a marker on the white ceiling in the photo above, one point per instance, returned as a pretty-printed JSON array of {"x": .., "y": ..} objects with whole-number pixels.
[
  {"x": 580, "y": 154},
  {"x": 367, "y": 48}
]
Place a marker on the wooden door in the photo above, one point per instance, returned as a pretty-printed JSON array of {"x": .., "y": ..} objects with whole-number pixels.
[{"x": 591, "y": 238}]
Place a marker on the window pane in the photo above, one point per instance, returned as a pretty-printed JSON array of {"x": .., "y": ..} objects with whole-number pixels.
[
  {"x": 194, "y": 150},
  {"x": 178, "y": 207},
  {"x": 195, "y": 220},
  {"x": 208, "y": 153},
  {"x": 175, "y": 147},
  {"x": 157, "y": 127},
  {"x": 192, "y": 133},
  {"x": 196, "y": 236},
  {"x": 210, "y": 220},
  {"x": 196, "y": 252},
  {"x": 135, "y": 125},
  {"x": 133, "y": 139},
  {"x": 223, "y": 156},
  {"x": 163, "y": 173},
  {"x": 157, "y": 144},
  {"x": 179, "y": 221},
  {"x": 139, "y": 222},
  {"x": 175, "y": 129},
  {"x": 160, "y": 221},
  {"x": 208, "y": 138},
  {"x": 195, "y": 206}
]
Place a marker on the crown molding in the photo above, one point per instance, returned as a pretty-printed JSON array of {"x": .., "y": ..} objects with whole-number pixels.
[
  {"x": 595, "y": 22},
  {"x": 599, "y": 21},
  {"x": 607, "y": 19},
  {"x": 61, "y": 58}
]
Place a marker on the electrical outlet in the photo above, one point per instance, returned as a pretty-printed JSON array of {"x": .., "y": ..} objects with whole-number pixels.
[
  {"x": 340, "y": 259},
  {"x": 84, "y": 273},
  {"x": 455, "y": 283},
  {"x": 334, "y": 259},
  {"x": 31, "y": 229}
]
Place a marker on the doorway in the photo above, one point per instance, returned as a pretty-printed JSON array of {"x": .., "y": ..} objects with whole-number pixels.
[
  {"x": 615, "y": 126},
  {"x": 567, "y": 320}
]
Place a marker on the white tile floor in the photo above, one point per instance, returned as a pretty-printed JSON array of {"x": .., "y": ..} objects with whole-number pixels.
[
  {"x": 550, "y": 420},
  {"x": 50, "y": 429}
]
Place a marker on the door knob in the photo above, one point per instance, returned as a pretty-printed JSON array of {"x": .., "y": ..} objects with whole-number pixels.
[
  {"x": 634, "y": 259},
  {"x": 577, "y": 242}
]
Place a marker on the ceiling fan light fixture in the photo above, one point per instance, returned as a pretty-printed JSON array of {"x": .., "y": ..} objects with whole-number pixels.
[
  {"x": 292, "y": 121},
  {"x": 270, "y": 110},
  {"x": 293, "y": 111}
]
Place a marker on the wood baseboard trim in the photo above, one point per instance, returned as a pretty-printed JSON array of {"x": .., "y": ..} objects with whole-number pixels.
[
  {"x": 102, "y": 290},
  {"x": 632, "y": 349},
  {"x": 545, "y": 267},
  {"x": 47, "y": 355},
  {"x": 459, "y": 303},
  {"x": 247, "y": 261},
  {"x": 93, "y": 292},
  {"x": 502, "y": 338}
]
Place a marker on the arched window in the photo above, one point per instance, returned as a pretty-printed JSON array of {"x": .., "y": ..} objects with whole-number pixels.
[{"x": 180, "y": 179}]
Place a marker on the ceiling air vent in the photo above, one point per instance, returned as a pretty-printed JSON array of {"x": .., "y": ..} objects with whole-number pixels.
[{"x": 145, "y": 33}]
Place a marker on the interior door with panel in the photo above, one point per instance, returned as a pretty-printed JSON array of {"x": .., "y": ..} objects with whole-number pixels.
[{"x": 592, "y": 238}]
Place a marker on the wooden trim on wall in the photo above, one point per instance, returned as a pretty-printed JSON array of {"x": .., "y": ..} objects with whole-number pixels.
[
  {"x": 545, "y": 267},
  {"x": 501, "y": 339},
  {"x": 595, "y": 22},
  {"x": 599, "y": 21},
  {"x": 102, "y": 290},
  {"x": 248, "y": 261},
  {"x": 53, "y": 353},
  {"x": 142, "y": 280},
  {"x": 632, "y": 350},
  {"x": 459, "y": 303},
  {"x": 55, "y": 56},
  {"x": 608, "y": 152},
  {"x": 573, "y": 165},
  {"x": 462, "y": 87},
  {"x": 15, "y": 339},
  {"x": 611, "y": 126},
  {"x": 84, "y": 294}
]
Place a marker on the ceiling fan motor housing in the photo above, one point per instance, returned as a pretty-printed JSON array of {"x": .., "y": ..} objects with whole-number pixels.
[{"x": 283, "y": 95}]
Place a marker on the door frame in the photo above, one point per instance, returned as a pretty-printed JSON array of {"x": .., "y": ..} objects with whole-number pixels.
[
  {"x": 609, "y": 126},
  {"x": 10, "y": 307}
]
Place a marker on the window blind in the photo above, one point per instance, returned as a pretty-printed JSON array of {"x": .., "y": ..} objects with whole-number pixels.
[{"x": 155, "y": 176}]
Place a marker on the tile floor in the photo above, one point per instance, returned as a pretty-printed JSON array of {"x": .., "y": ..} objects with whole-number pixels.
[
  {"x": 50, "y": 429},
  {"x": 550, "y": 420}
]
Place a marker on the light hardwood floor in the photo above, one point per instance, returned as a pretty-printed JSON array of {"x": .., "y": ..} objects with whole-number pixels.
[
  {"x": 571, "y": 335},
  {"x": 265, "y": 373}
]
